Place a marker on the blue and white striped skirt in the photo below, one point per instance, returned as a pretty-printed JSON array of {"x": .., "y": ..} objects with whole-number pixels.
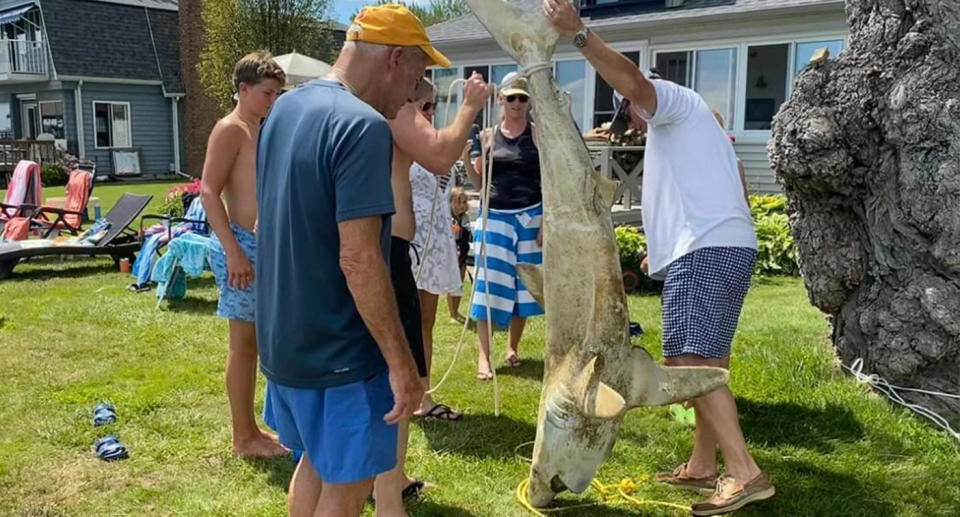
[{"x": 511, "y": 240}]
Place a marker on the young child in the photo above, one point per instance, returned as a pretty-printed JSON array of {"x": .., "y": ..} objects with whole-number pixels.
[
  {"x": 230, "y": 170},
  {"x": 459, "y": 206}
]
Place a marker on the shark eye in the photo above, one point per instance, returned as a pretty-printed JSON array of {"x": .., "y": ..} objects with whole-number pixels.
[{"x": 560, "y": 412}]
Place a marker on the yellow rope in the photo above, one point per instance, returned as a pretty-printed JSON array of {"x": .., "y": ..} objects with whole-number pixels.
[{"x": 607, "y": 493}]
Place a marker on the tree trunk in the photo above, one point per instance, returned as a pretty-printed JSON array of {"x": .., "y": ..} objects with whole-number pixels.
[
  {"x": 200, "y": 109},
  {"x": 868, "y": 153}
]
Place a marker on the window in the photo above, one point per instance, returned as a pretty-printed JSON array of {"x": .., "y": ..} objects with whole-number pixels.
[
  {"x": 766, "y": 86},
  {"x": 716, "y": 80},
  {"x": 484, "y": 72},
  {"x": 51, "y": 119},
  {"x": 571, "y": 75},
  {"x": 6, "y": 121},
  {"x": 805, "y": 52},
  {"x": 675, "y": 66},
  {"x": 442, "y": 79},
  {"x": 111, "y": 124},
  {"x": 603, "y": 96}
]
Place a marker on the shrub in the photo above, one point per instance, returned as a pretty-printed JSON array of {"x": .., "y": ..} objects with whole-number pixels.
[
  {"x": 54, "y": 175},
  {"x": 632, "y": 245},
  {"x": 776, "y": 251},
  {"x": 173, "y": 204}
]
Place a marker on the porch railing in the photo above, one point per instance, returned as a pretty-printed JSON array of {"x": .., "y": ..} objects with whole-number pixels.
[
  {"x": 12, "y": 151},
  {"x": 23, "y": 57}
]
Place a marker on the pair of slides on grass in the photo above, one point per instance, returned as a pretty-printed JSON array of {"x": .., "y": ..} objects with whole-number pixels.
[{"x": 108, "y": 448}]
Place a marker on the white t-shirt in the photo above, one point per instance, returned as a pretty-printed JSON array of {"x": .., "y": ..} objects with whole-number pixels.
[{"x": 692, "y": 195}]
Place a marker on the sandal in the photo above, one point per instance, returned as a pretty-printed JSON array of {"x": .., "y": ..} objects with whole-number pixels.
[
  {"x": 442, "y": 412},
  {"x": 514, "y": 361},
  {"x": 109, "y": 448},
  {"x": 139, "y": 288},
  {"x": 484, "y": 376},
  {"x": 412, "y": 491},
  {"x": 104, "y": 414},
  {"x": 676, "y": 478}
]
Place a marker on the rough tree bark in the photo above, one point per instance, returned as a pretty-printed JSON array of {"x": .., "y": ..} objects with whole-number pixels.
[{"x": 868, "y": 153}]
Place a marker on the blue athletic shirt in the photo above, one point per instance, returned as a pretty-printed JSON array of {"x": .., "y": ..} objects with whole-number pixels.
[{"x": 323, "y": 158}]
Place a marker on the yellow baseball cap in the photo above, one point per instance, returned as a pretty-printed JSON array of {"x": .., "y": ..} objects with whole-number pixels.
[{"x": 393, "y": 24}]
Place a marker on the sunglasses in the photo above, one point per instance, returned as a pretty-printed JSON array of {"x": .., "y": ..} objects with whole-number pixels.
[
  {"x": 522, "y": 98},
  {"x": 428, "y": 106}
]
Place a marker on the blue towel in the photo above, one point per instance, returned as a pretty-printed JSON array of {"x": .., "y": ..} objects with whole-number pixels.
[{"x": 186, "y": 256}]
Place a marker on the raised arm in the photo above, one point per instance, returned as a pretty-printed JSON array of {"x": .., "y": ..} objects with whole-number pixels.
[
  {"x": 438, "y": 149},
  {"x": 618, "y": 71}
]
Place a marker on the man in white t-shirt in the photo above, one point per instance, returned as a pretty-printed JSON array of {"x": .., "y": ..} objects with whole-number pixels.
[{"x": 701, "y": 242}]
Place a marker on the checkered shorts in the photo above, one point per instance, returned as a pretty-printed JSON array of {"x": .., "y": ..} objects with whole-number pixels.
[{"x": 702, "y": 298}]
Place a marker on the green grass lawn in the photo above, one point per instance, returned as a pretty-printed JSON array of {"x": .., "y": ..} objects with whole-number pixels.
[{"x": 72, "y": 335}]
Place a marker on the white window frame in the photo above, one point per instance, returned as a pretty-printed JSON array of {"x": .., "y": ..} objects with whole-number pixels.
[
  {"x": 741, "y": 46},
  {"x": 93, "y": 106}
]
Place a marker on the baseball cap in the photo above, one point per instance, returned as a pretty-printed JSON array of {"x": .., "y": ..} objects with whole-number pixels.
[
  {"x": 513, "y": 84},
  {"x": 393, "y": 24}
]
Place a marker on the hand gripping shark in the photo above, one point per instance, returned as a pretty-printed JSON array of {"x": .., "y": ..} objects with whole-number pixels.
[{"x": 592, "y": 374}]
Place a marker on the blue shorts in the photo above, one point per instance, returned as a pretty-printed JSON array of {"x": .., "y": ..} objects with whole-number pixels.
[
  {"x": 702, "y": 298},
  {"x": 234, "y": 304},
  {"x": 341, "y": 428}
]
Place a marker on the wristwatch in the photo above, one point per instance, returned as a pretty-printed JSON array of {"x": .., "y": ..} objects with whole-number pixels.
[{"x": 580, "y": 38}]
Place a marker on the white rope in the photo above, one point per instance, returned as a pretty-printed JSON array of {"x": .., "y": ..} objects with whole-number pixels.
[
  {"x": 891, "y": 391},
  {"x": 484, "y": 217}
]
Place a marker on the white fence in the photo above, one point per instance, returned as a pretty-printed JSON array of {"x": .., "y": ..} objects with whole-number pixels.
[{"x": 23, "y": 57}]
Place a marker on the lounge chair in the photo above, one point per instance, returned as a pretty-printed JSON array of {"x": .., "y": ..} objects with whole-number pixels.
[
  {"x": 70, "y": 217},
  {"x": 155, "y": 238},
  {"x": 24, "y": 188},
  {"x": 111, "y": 235}
]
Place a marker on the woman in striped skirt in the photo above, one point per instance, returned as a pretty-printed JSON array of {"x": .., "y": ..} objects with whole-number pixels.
[{"x": 515, "y": 219}]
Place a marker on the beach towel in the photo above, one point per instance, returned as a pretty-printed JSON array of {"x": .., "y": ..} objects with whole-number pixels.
[{"x": 24, "y": 187}]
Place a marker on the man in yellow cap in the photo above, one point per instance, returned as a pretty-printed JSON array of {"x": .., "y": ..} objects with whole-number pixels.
[{"x": 340, "y": 375}]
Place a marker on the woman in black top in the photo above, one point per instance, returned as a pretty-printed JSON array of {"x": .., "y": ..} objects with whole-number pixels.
[{"x": 515, "y": 218}]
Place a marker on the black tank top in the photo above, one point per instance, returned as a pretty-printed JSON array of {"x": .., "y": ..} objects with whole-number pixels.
[{"x": 516, "y": 171}]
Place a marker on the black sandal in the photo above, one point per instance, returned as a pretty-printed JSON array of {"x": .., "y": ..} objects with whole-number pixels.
[
  {"x": 412, "y": 491},
  {"x": 442, "y": 412}
]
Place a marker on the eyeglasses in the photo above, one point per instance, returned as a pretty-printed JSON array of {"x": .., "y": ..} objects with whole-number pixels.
[
  {"x": 522, "y": 98},
  {"x": 428, "y": 106}
]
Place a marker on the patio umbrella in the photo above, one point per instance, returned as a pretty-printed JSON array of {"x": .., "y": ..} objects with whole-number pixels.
[{"x": 300, "y": 68}]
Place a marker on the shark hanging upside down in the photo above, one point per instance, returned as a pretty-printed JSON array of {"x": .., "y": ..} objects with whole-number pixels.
[{"x": 592, "y": 375}]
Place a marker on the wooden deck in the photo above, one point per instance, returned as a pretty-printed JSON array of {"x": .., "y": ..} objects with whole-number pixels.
[{"x": 12, "y": 151}]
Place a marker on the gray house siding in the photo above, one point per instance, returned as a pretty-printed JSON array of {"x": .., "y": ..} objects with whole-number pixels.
[{"x": 151, "y": 122}]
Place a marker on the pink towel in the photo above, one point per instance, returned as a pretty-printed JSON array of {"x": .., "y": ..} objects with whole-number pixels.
[
  {"x": 24, "y": 187},
  {"x": 78, "y": 194},
  {"x": 16, "y": 229}
]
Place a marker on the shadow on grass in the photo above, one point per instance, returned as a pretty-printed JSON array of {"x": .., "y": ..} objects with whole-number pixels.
[
  {"x": 431, "y": 509},
  {"x": 482, "y": 436},
  {"x": 528, "y": 369},
  {"x": 803, "y": 488},
  {"x": 200, "y": 306},
  {"x": 278, "y": 470},
  {"x": 820, "y": 430},
  {"x": 52, "y": 270}
]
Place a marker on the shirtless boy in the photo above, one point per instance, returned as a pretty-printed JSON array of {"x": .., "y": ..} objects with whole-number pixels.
[
  {"x": 415, "y": 139},
  {"x": 230, "y": 170}
]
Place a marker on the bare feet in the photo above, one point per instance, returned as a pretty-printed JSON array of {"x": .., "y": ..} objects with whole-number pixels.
[{"x": 260, "y": 446}]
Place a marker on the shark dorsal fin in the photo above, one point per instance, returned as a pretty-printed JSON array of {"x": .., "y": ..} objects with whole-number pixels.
[
  {"x": 607, "y": 189},
  {"x": 532, "y": 278}
]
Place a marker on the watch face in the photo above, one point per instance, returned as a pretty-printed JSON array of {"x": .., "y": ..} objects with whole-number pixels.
[{"x": 580, "y": 40}]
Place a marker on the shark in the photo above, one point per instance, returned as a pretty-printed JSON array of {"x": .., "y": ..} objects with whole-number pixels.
[{"x": 592, "y": 372}]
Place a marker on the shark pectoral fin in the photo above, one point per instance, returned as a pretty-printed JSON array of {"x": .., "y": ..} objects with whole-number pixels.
[
  {"x": 594, "y": 398},
  {"x": 607, "y": 188},
  {"x": 532, "y": 278},
  {"x": 656, "y": 385}
]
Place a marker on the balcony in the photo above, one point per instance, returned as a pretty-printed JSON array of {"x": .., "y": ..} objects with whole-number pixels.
[{"x": 23, "y": 61}]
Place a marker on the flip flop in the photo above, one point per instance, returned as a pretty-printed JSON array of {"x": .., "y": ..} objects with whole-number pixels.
[
  {"x": 514, "y": 361},
  {"x": 484, "y": 376},
  {"x": 412, "y": 491},
  {"x": 109, "y": 448},
  {"x": 139, "y": 288},
  {"x": 635, "y": 329},
  {"x": 442, "y": 412},
  {"x": 104, "y": 414}
]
